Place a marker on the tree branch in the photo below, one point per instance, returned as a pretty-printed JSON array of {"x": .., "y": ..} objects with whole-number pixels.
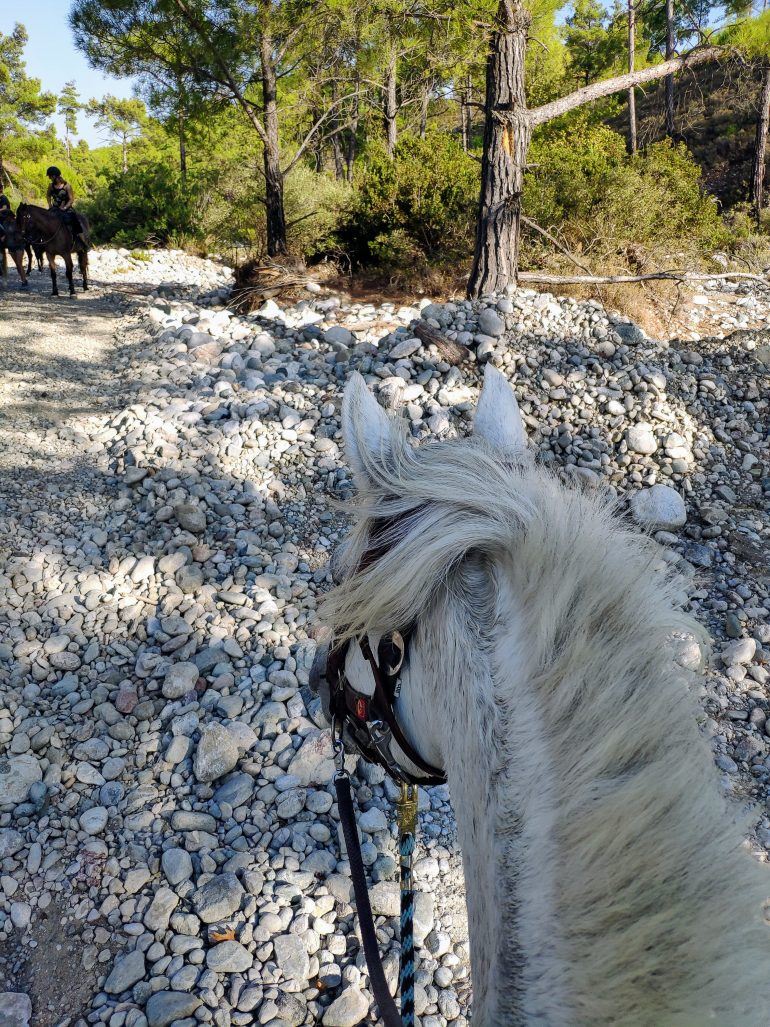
[
  {"x": 672, "y": 276},
  {"x": 619, "y": 83},
  {"x": 309, "y": 137},
  {"x": 547, "y": 235}
]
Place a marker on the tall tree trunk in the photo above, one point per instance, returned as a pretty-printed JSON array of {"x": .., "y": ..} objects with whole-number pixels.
[
  {"x": 507, "y": 132},
  {"x": 336, "y": 139},
  {"x": 271, "y": 155},
  {"x": 339, "y": 162},
  {"x": 424, "y": 104},
  {"x": 669, "y": 78},
  {"x": 124, "y": 143},
  {"x": 465, "y": 113},
  {"x": 352, "y": 139},
  {"x": 390, "y": 108},
  {"x": 67, "y": 144},
  {"x": 182, "y": 147},
  {"x": 318, "y": 145},
  {"x": 631, "y": 62},
  {"x": 760, "y": 149}
]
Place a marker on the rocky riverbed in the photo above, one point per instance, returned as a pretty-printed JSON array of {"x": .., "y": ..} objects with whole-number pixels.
[{"x": 169, "y": 841}]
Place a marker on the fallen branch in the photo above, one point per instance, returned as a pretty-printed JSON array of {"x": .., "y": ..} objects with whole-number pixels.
[
  {"x": 451, "y": 351},
  {"x": 671, "y": 276},
  {"x": 555, "y": 242}
]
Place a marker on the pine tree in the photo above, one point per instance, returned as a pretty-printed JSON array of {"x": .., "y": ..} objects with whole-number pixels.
[
  {"x": 23, "y": 104},
  {"x": 121, "y": 119},
  {"x": 69, "y": 106}
]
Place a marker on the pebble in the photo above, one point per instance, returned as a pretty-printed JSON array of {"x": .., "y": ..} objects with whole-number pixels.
[
  {"x": 218, "y": 898},
  {"x": 15, "y": 1009},
  {"x": 659, "y": 508},
  {"x": 347, "y": 1010},
  {"x": 125, "y": 973},
  {"x": 17, "y": 775},
  {"x": 217, "y": 753},
  {"x": 166, "y": 1007},
  {"x": 229, "y": 957},
  {"x": 292, "y": 957}
]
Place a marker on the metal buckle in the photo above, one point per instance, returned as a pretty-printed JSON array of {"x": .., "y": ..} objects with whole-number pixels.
[{"x": 339, "y": 748}]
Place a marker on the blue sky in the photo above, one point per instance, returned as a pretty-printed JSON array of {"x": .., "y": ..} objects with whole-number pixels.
[{"x": 52, "y": 57}]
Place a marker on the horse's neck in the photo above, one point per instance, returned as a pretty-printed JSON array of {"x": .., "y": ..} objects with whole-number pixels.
[{"x": 456, "y": 712}]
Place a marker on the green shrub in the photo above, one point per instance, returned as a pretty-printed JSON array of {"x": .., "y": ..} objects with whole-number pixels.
[
  {"x": 424, "y": 199},
  {"x": 583, "y": 184},
  {"x": 145, "y": 206},
  {"x": 315, "y": 205}
]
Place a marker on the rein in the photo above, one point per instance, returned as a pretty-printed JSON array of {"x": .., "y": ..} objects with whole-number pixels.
[
  {"x": 368, "y": 724},
  {"x": 365, "y": 723},
  {"x": 42, "y": 242}
]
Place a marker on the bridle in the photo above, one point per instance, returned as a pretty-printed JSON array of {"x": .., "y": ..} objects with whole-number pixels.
[
  {"x": 27, "y": 221},
  {"x": 365, "y": 722}
]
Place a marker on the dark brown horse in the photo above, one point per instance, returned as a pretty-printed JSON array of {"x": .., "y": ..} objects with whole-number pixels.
[
  {"x": 11, "y": 241},
  {"x": 50, "y": 230}
]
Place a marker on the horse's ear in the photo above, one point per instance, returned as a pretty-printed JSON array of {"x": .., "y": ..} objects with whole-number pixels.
[
  {"x": 497, "y": 417},
  {"x": 365, "y": 427}
]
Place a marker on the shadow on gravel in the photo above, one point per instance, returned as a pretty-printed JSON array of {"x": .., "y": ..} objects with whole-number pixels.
[{"x": 52, "y": 972}]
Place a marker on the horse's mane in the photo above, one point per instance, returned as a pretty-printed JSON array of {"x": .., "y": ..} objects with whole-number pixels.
[{"x": 656, "y": 906}]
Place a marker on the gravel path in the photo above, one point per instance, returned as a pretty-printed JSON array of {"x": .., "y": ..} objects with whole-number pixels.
[
  {"x": 57, "y": 366},
  {"x": 169, "y": 848}
]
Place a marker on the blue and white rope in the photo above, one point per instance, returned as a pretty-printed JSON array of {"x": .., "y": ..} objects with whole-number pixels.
[{"x": 406, "y": 976}]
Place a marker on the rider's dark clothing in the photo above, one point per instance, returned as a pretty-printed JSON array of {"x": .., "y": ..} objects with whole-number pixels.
[
  {"x": 58, "y": 195},
  {"x": 5, "y": 203}
]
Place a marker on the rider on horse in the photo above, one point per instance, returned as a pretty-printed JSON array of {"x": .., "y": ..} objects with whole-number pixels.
[
  {"x": 61, "y": 198},
  {"x": 5, "y": 203}
]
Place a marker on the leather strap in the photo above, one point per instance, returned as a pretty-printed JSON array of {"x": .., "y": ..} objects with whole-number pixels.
[
  {"x": 385, "y": 1003},
  {"x": 384, "y": 708}
]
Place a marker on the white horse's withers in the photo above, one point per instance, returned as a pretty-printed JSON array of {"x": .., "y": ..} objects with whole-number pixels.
[{"x": 607, "y": 881}]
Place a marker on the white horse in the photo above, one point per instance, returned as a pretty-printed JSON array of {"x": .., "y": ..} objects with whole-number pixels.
[{"x": 607, "y": 882}]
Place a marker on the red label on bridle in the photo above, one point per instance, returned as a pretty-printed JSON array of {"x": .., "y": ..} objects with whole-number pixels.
[{"x": 362, "y": 708}]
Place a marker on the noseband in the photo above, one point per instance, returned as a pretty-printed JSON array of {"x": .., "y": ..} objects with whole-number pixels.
[{"x": 364, "y": 722}]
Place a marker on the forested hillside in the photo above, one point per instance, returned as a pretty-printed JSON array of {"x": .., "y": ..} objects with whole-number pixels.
[{"x": 354, "y": 132}]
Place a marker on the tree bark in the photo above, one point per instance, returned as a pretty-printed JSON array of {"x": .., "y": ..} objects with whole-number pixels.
[
  {"x": 336, "y": 139},
  {"x": 760, "y": 148},
  {"x": 124, "y": 146},
  {"x": 424, "y": 104},
  {"x": 318, "y": 145},
  {"x": 507, "y": 132},
  {"x": 276, "y": 218},
  {"x": 390, "y": 108},
  {"x": 465, "y": 113},
  {"x": 350, "y": 149},
  {"x": 668, "y": 276},
  {"x": 182, "y": 147},
  {"x": 632, "y": 144},
  {"x": 669, "y": 78}
]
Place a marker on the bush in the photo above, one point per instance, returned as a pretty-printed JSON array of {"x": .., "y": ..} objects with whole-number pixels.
[
  {"x": 147, "y": 205},
  {"x": 585, "y": 186},
  {"x": 316, "y": 205},
  {"x": 418, "y": 206}
]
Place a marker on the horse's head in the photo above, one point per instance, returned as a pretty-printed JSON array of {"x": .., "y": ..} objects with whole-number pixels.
[
  {"x": 418, "y": 518},
  {"x": 23, "y": 217},
  {"x": 396, "y": 482}
]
